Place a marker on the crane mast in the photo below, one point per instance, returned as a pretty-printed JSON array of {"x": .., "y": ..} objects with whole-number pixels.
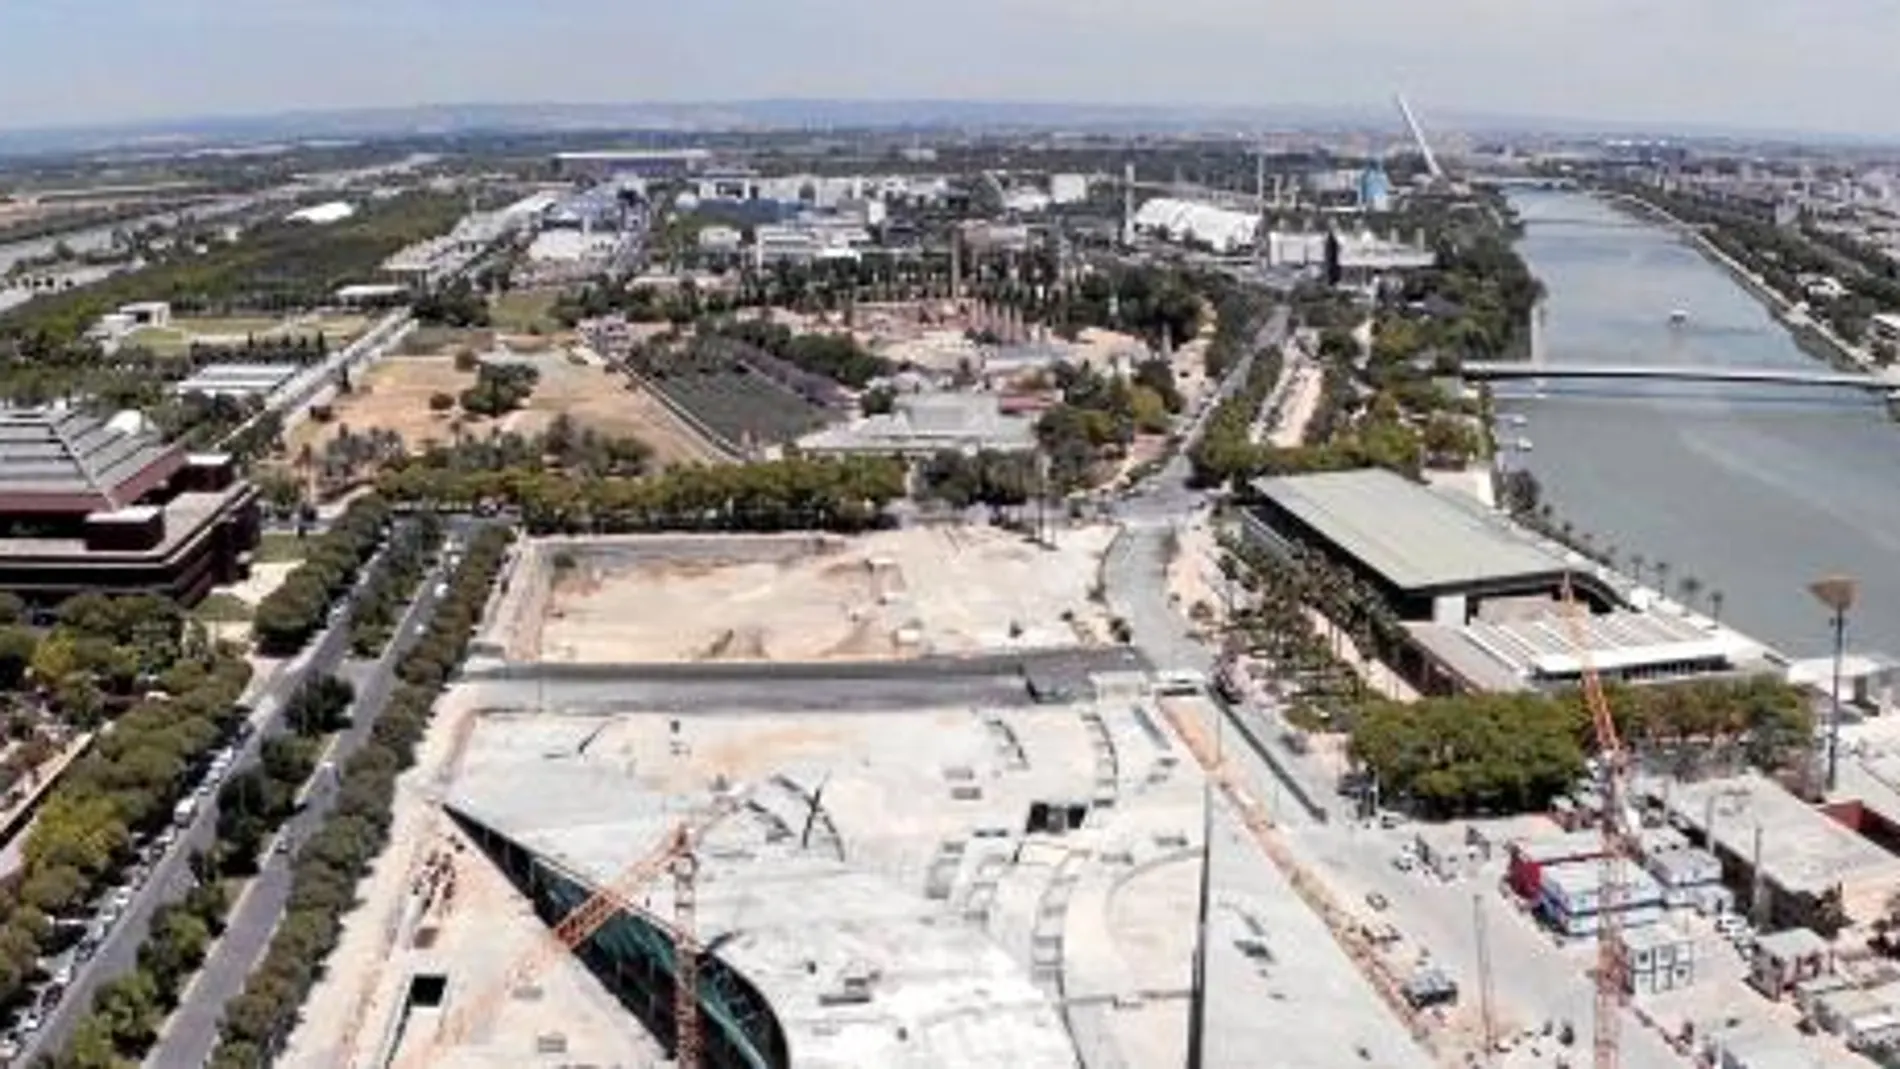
[
  {"x": 1616, "y": 846},
  {"x": 686, "y": 1037},
  {"x": 676, "y": 855}
]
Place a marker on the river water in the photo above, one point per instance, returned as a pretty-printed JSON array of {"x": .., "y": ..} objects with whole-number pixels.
[{"x": 1755, "y": 491}]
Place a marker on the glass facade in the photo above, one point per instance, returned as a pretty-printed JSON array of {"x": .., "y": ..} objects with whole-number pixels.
[{"x": 635, "y": 958}]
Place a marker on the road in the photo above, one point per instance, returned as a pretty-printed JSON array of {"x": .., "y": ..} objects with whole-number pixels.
[
  {"x": 171, "y": 877},
  {"x": 192, "y": 1032},
  {"x": 1536, "y": 980}
]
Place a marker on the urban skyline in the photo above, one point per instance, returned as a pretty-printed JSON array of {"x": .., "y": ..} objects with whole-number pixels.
[{"x": 1619, "y": 63}]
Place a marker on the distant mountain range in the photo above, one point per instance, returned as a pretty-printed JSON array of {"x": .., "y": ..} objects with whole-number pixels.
[{"x": 820, "y": 114}]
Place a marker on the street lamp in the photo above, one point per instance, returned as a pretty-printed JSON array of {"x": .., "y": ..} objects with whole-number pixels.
[{"x": 1837, "y": 593}]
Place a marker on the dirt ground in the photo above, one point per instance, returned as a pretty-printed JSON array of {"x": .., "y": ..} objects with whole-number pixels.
[
  {"x": 393, "y": 395},
  {"x": 894, "y": 594},
  {"x": 595, "y": 397}
]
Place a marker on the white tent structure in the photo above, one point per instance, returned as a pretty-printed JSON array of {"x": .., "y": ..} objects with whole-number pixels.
[{"x": 1224, "y": 229}]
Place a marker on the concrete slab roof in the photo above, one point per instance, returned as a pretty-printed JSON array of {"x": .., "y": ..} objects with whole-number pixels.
[
  {"x": 1416, "y": 537},
  {"x": 919, "y": 873},
  {"x": 1803, "y": 850}
]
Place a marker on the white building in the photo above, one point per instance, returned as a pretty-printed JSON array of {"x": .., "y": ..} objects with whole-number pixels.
[
  {"x": 236, "y": 380},
  {"x": 1068, "y": 188},
  {"x": 1223, "y": 229},
  {"x": 1658, "y": 959},
  {"x": 923, "y": 425},
  {"x": 322, "y": 214},
  {"x": 1885, "y": 326},
  {"x": 720, "y": 239},
  {"x": 1573, "y": 898}
]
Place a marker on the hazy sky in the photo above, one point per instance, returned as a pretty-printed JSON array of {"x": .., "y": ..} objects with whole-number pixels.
[{"x": 1800, "y": 64}]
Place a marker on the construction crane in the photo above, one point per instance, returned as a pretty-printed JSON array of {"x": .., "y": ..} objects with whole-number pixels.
[
  {"x": 1616, "y": 844},
  {"x": 676, "y": 854}
]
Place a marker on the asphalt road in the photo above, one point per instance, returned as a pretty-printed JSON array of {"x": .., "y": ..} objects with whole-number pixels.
[
  {"x": 170, "y": 878},
  {"x": 192, "y": 1032}
]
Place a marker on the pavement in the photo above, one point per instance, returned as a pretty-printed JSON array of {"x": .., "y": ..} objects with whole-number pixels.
[
  {"x": 191, "y": 1034},
  {"x": 170, "y": 878}
]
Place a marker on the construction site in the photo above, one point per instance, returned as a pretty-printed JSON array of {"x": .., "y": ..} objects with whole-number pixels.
[
  {"x": 1018, "y": 857},
  {"x": 894, "y": 594}
]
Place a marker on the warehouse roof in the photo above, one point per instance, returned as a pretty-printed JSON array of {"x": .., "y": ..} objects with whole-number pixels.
[{"x": 1415, "y": 536}]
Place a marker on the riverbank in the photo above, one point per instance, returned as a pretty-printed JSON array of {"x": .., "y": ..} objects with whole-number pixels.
[{"x": 1814, "y": 338}]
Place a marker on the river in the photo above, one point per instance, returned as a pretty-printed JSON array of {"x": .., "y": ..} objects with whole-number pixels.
[{"x": 1755, "y": 491}]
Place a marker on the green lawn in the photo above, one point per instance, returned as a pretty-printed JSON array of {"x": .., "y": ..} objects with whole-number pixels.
[
  {"x": 222, "y": 608},
  {"x": 277, "y": 547},
  {"x": 525, "y": 311},
  {"x": 161, "y": 340},
  {"x": 226, "y": 326}
]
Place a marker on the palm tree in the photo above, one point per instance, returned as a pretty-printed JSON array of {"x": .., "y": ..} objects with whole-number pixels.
[
  {"x": 1715, "y": 605},
  {"x": 1690, "y": 586},
  {"x": 1637, "y": 561},
  {"x": 1662, "y": 577}
]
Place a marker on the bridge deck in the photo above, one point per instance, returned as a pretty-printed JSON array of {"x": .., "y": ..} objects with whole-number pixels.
[{"x": 1679, "y": 373}]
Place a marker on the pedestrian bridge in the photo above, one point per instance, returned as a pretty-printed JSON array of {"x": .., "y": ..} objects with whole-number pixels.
[{"x": 1777, "y": 376}]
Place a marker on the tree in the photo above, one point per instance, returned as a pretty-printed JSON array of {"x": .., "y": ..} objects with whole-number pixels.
[
  {"x": 1716, "y": 598},
  {"x": 441, "y": 401},
  {"x": 177, "y": 945},
  {"x": 17, "y": 647},
  {"x": 1690, "y": 587}
]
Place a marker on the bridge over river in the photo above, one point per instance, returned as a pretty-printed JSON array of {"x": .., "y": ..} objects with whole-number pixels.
[{"x": 1776, "y": 376}]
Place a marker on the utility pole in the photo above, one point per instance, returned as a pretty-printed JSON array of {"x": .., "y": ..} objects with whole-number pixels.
[
  {"x": 1836, "y": 592},
  {"x": 1484, "y": 981}
]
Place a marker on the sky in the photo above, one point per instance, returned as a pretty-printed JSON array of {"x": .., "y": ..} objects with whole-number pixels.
[{"x": 1818, "y": 65}]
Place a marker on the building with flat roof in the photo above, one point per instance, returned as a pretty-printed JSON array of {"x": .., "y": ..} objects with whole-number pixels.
[
  {"x": 1572, "y": 899},
  {"x": 91, "y": 504},
  {"x": 922, "y": 425},
  {"x": 1805, "y": 853},
  {"x": 236, "y": 380},
  {"x": 1478, "y": 594},
  {"x": 1432, "y": 552}
]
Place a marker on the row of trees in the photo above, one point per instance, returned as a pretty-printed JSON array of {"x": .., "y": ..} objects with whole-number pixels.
[
  {"x": 326, "y": 870},
  {"x": 797, "y": 493},
  {"x": 999, "y": 480},
  {"x": 1226, "y": 450},
  {"x": 123, "y": 788},
  {"x": 838, "y": 357},
  {"x": 273, "y": 267},
  {"x": 287, "y": 617},
  {"x": 122, "y": 1023},
  {"x": 375, "y": 611},
  {"x": 1509, "y": 753}
]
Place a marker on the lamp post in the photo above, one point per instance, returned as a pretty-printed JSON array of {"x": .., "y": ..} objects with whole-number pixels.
[{"x": 1837, "y": 593}]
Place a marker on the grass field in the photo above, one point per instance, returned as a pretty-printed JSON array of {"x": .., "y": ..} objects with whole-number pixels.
[
  {"x": 226, "y": 326},
  {"x": 525, "y": 311},
  {"x": 162, "y": 340},
  {"x": 276, "y": 547},
  {"x": 222, "y": 607}
]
